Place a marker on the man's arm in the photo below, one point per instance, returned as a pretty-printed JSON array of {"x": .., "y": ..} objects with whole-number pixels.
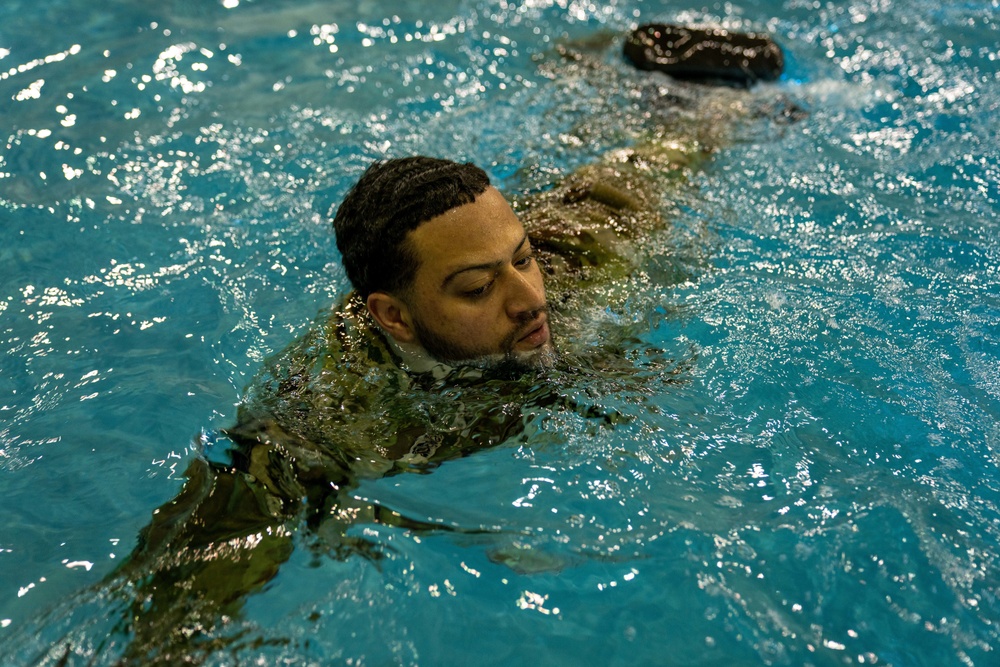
[{"x": 591, "y": 225}]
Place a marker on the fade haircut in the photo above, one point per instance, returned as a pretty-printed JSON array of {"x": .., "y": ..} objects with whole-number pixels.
[{"x": 392, "y": 198}]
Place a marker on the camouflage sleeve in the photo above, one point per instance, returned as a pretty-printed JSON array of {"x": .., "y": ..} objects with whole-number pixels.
[{"x": 589, "y": 226}]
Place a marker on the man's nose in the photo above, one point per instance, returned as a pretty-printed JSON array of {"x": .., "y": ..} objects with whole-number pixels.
[{"x": 526, "y": 295}]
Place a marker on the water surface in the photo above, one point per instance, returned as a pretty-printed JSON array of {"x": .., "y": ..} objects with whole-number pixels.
[{"x": 823, "y": 486}]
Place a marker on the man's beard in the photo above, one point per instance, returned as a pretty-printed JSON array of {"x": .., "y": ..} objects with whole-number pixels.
[{"x": 454, "y": 354}]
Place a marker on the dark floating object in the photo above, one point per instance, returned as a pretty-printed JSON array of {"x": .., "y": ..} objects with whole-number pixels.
[{"x": 705, "y": 54}]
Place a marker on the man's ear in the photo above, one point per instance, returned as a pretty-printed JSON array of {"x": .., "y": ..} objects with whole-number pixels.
[{"x": 392, "y": 315}]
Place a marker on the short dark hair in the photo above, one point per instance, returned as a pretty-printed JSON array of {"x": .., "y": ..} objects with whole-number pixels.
[{"x": 391, "y": 199}]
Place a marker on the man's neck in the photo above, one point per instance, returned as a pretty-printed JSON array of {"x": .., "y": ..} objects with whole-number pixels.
[{"x": 416, "y": 359}]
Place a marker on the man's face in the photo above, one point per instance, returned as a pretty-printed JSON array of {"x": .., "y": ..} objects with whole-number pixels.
[{"x": 478, "y": 291}]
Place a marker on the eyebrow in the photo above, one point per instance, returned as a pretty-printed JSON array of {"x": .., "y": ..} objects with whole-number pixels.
[{"x": 481, "y": 267}]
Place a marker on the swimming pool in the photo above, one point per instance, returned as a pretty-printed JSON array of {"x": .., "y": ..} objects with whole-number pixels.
[{"x": 822, "y": 487}]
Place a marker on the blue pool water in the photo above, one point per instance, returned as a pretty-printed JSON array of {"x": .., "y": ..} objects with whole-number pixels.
[{"x": 821, "y": 487}]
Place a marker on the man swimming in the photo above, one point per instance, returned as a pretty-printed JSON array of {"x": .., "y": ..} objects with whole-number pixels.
[{"x": 443, "y": 347}]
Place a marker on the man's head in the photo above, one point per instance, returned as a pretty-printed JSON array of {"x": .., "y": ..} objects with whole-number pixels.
[
  {"x": 391, "y": 199},
  {"x": 442, "y": 262}
]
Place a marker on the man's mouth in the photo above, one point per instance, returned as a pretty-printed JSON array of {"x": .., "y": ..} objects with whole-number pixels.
[{"x": 536, "y": 335}]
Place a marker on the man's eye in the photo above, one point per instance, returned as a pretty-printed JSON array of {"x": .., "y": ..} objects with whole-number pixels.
[
  {"x": 479, "y": 291},
  {"x": 524, "y": 261}
]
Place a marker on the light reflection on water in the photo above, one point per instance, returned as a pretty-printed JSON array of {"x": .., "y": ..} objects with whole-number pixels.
[{"x": 821, "y": 487}]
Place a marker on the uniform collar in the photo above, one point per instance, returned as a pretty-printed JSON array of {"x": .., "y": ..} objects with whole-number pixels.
[{"x": 415, "y": 359}]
